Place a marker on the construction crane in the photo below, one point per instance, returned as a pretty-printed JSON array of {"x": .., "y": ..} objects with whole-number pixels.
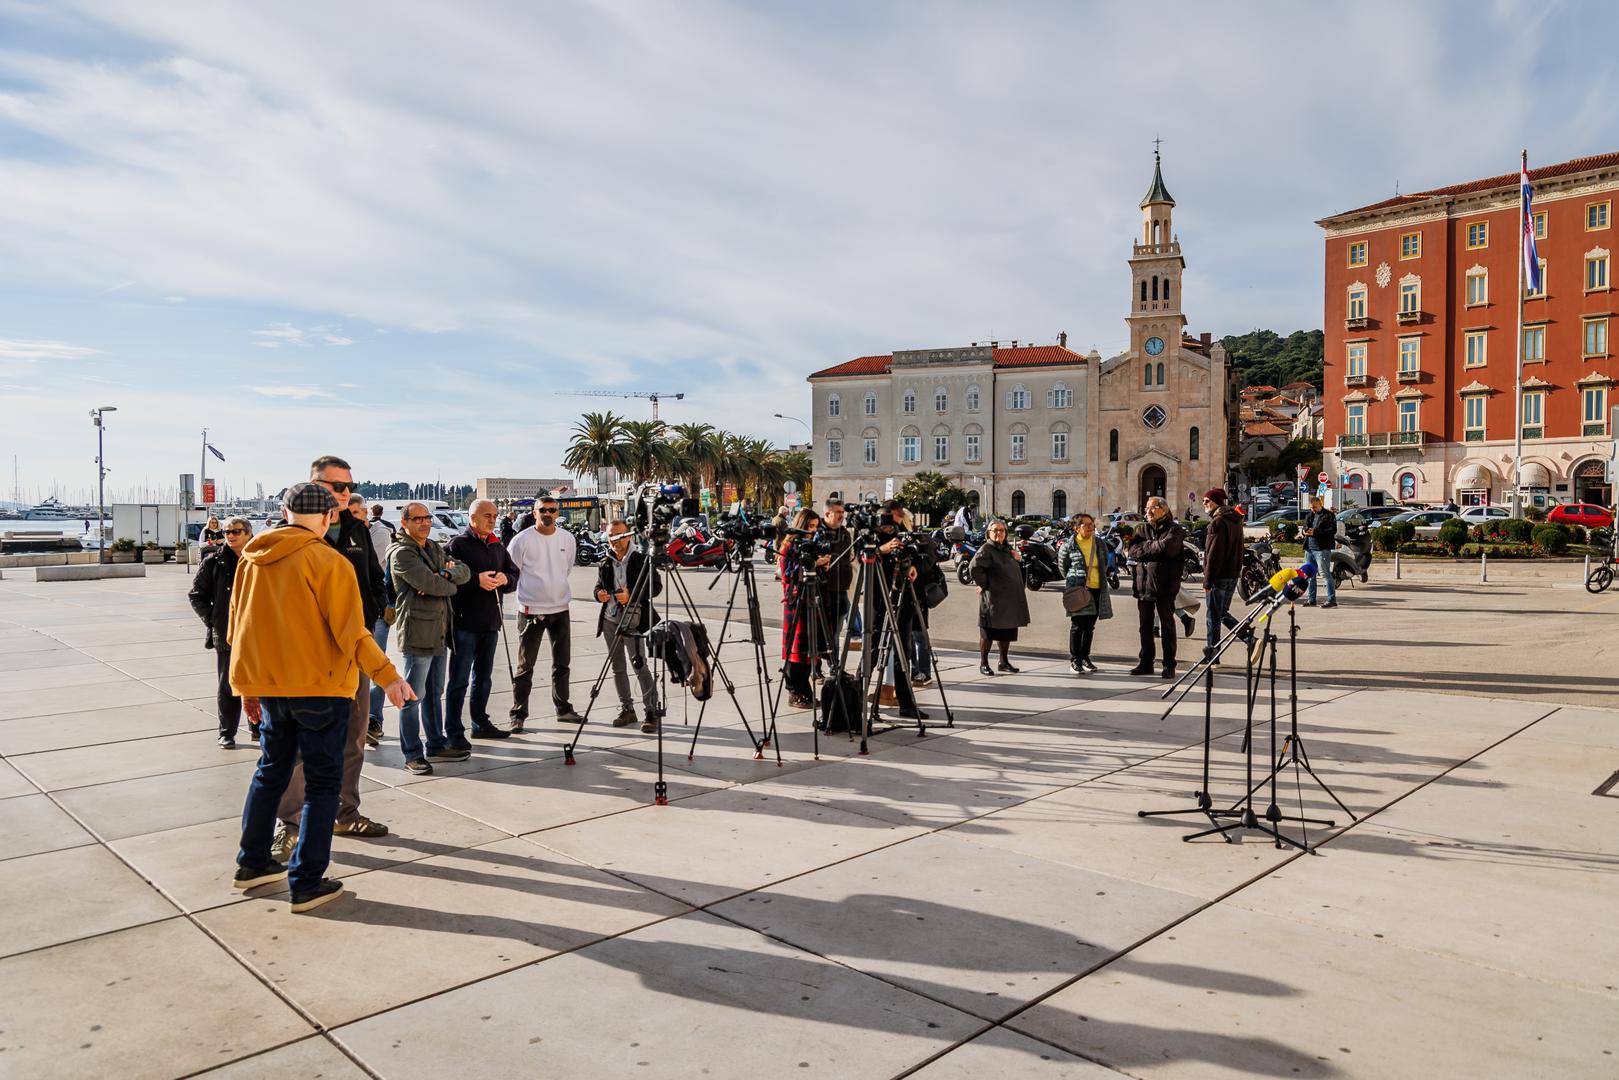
[{"x": 650, "y": 395}]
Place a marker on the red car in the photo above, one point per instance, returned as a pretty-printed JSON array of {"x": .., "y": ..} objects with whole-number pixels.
[{"x": 1585, "y": 514}]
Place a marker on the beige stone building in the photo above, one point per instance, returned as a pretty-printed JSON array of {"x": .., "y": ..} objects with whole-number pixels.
[{"x": 1041, "y": 429}]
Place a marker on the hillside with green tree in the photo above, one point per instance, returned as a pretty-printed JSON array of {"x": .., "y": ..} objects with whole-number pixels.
[{"x": 1265, "y": 358}]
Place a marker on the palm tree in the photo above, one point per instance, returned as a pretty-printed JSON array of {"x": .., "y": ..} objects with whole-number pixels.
[
  {"x": 645, "y": 454},
  {"x": 595, "y": 447},
  {"x": 696, "y": 453}
]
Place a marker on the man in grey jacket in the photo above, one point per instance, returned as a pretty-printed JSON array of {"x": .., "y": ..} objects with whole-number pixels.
[{"x": 424, "y": 579}]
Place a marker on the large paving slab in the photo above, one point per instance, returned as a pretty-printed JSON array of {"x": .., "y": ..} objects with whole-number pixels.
[
  {"x": 73, "y": 893},
  {"x": 1007, "y": 1055},
  {"x": 691, "y": 996},
  {"x": 157, "y": 1001},
  {"x": 424, "y": 927},
  {"x": 98, "y": 727},
  {"x": 1232, "y": 993},
  {"x": 30, "y": 824}
]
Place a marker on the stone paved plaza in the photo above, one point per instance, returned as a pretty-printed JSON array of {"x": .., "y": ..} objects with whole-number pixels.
[{"x": 982, "y": 902}]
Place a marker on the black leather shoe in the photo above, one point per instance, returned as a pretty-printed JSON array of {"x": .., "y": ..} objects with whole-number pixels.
[
  {"x": 1006, "y": 666},
  {"x": 490, "y": 732},
  {"x": 983, "y": 669},
  {"x": 1167, "y": 673},
  {"x": 1141, "y": 669}
]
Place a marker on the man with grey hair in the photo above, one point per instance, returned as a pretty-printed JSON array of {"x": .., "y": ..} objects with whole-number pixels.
[
  {"x": 477, "y": 613},
  {"x": 1156, "y": 552},
  {"x": 623, "y": 590},
  {"x": 424, "y": 578}
]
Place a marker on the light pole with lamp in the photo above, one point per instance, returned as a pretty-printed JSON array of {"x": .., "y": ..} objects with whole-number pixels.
[
  {"x": 810, "y": 433},
  {"x": 101, "y": 481}
]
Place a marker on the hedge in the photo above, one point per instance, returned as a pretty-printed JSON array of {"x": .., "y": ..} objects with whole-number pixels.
[
  {"x": 1552, "y": 539},
  {"x": 1389, "y": 537},
  {"x": 1453, "y": 534},
  {"x": 1499, "y": 551}
]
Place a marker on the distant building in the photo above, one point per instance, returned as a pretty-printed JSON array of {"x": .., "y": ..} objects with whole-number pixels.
[
  {"x": 1041, "y": 429},
  {"x": 505, "y": 488},
  {"x": 1421, "y": 339}
]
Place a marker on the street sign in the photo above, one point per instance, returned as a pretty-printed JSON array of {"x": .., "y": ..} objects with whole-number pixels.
[
  {"x": 1304, "y": 471},
  {"x": 1322, "y": 478},
  {"x": 208, "y": 493},
  {"x": 788, "y": 487},
  {"x": 888, "y": 487},
  {"x": 792, "y": 500}
]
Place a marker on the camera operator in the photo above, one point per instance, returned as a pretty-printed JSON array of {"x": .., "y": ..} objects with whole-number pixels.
[
  {"x": 800, "y": 542},
  {"x": 839, "y": 577},
  {"x": 895, "y": 552},
  {"x": 617, "y": 580},
  {"x": 926, "y": 563}
]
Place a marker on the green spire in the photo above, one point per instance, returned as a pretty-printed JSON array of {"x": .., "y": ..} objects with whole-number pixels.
[{"x": 1158, "y": 193}]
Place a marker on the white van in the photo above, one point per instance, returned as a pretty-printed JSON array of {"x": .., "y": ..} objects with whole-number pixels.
[{"x": 393, "y": 511}]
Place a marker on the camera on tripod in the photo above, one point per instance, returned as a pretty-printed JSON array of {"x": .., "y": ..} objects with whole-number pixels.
[
  {"x": 657, "y": 506},
  {"x": 739, "y": 527},
  {"x": 810, "y": 544}
]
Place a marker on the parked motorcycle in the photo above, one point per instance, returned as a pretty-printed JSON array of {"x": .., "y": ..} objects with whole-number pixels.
[
  {"x": 1352, "y": 557},
  {"x": 589, "y": 549},
  {"x": 1259, "y": 562},
  {"x": 1039, "y": 562},
  {"x": 1113, "y": 544},
  {"x": 965, "y": 547},
  {"x": 689, "y": 546}
]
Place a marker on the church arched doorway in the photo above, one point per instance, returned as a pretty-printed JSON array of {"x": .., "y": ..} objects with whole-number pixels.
[{"x": 1153, "y": 482}]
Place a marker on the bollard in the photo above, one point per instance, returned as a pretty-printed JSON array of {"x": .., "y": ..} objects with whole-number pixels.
[
  {"x": 1483, "y": 565},
  {"x": 1586, "y": 575},
  {"x": 1396, "y": 566}
]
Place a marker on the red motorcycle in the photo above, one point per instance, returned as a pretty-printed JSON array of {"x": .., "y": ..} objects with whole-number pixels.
[{"x": 689, "y": 546}]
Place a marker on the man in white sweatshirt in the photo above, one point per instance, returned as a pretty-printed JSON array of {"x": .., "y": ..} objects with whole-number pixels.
[{"x": 544, "y": 554}]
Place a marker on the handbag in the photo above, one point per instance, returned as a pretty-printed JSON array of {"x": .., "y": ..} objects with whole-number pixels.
[
  {"x": 1076, "y": 598},
  {"x": 934, "y": 593}
]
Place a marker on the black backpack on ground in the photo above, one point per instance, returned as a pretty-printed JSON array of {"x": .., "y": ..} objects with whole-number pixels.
[{"x": 840, "y": 704}]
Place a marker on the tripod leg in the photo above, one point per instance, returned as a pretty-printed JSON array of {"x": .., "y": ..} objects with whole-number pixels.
[
  {"x": 725, "y": 628},
  {"x": 933, "y": 659},
  {"x": 627, "y": 616}
]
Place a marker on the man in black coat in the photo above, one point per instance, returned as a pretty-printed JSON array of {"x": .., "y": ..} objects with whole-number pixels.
[
  {"x": 210, "y": 599},
  {"x": 476, "y": 614},
  {"x": 1320, "y": 537},
  {"x": 622, "y": 587},
  {"x": 1157, "y": 550}
]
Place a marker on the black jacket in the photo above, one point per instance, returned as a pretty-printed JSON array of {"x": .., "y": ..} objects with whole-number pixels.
[
  {"x": 477, "y": 609},
  {"x": 1158, "y": 552},
  {"x": 1323, "y": 526},
  {"x": 210, "y": 593},
  {"x": 1222, "y": 555},
  {"x": 637, "y": 566},
  {"x": 354, "y": 543}
]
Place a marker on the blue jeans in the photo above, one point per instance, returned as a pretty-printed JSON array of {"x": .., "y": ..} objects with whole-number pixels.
[
  {"x": 1323, "y": 572},
  {"x": 472, "y": 659},
  {"x": 426, "y": 677},
  {"x": 379, "y": 634},
  {"x": 1218, "y": 609},
  {"x": 922, "y": 654},
  {"x": 313, "y": 728}
]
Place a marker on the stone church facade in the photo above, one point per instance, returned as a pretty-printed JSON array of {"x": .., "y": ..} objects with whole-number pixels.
[{"x": 1041, "y": 429}]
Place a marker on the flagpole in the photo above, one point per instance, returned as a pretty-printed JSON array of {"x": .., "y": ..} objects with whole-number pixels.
[{"x": 1517, "y": 382}]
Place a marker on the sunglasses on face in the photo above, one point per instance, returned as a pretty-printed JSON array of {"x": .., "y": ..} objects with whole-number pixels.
[
  {"x": 548, "y": 513},
  {"x": 339, "y": 486},
  {"x": 234, "y": 532},
  {"x": 420, "y": 517}
]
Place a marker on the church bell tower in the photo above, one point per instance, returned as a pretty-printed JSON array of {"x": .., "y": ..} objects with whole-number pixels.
[{"x": 1156, "y": 267}]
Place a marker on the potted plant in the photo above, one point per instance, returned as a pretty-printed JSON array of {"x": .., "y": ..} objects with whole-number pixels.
[
  {"x": 151, "y": 553},
  {"x": 182, "y": 550},
  {"x": 122, "y": 550}
]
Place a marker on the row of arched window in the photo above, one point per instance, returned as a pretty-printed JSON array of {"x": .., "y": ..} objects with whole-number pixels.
[{"x": 1155, "y": 288}]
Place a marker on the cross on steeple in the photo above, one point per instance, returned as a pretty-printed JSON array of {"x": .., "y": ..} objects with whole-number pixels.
[{"x": 1156, "y": 143}]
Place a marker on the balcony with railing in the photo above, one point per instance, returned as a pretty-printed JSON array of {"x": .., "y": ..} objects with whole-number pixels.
[
  {"x": 1171, "y": 248},
  {"x": 1357, "y": 322},
  {"x": 1409, "y": 317},
  {"x": 1382, "y": 440},
  {"x": 1409, "y": 375},
  {"x": 1354, "y": 380}
]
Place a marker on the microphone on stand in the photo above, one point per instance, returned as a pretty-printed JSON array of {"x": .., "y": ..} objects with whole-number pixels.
[{"x": 1288, "y": 586}]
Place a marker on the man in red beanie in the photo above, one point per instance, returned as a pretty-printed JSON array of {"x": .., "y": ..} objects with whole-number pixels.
[{"x": 1222, "y": 565}]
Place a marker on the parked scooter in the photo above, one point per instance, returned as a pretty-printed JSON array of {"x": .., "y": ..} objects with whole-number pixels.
[
  {"x": 965, "y": 546},
  {"x": 1352, "y": 557}
]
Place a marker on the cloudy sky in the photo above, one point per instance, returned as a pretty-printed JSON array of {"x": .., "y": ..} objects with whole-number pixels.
[{"x": 395, "y": 230}]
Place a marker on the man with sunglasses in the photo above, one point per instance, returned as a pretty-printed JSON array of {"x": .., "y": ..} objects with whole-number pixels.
[
  {"x": 543, "y": 555},
  {"x": 351, "y": 536}
]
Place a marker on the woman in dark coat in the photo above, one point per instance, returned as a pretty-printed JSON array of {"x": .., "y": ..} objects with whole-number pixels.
[
  {"x": 1082, "y": 560},
  {"x": 1002, "y": 604},
  {"x": 795, "y": 618},
  {"x": 210, "y": 599}
]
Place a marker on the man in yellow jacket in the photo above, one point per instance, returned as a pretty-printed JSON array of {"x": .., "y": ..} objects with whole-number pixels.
[{"x": 298, "y": 641}]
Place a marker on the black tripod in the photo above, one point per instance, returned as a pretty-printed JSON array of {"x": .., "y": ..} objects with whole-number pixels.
[
  {"x": 871, "y": 586},
  {"x": 1243, "y": 809},
  {"x": 1243, "y": 632},
  {"x": 742, "y": 567}
]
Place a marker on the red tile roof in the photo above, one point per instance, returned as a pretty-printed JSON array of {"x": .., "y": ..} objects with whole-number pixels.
[
  {"x": 1021, "y": 357},
  {"x": 1505, "y": 180},
  {"x": 1263, "y": 428}
]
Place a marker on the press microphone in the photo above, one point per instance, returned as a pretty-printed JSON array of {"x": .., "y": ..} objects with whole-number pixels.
[{"x": 1279, "y": 580}]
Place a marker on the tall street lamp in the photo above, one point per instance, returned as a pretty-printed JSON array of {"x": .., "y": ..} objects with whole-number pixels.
[
  {"x": 101, "y": 481},
  {"x": 796, "y": 420}
]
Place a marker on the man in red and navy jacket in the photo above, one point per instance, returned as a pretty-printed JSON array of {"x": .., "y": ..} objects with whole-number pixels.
[{"x": 475, "y": 629}]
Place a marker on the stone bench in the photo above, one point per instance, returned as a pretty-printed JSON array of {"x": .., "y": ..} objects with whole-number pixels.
[{"x": 89, "y": 572}]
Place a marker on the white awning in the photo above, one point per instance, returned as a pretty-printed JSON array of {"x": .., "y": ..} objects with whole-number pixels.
[
  {"x": 1473, "y": 475},
  {"x": 1535, "y": 475}
]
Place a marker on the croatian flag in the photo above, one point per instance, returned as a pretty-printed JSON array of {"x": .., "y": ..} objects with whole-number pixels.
[{"x": 1531, "y": 259}]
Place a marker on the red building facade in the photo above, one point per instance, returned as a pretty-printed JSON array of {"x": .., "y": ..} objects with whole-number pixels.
[{"x": 1422, "y": 333}]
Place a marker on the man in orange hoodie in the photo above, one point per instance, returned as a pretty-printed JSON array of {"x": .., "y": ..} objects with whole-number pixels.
[{"x": 299, "y": 641}]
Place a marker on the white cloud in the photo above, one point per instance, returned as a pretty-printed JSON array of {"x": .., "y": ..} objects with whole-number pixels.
[
  {"x": 294, "y": 393},
  {"x": 29, "y": 352},
  {"x": 278, "y": 334},
  {"x": 175, "y": 299}
]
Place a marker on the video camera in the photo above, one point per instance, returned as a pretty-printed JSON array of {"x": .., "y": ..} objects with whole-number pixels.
[
  {"x": 810, "y": 544},
  {"x": 656, "y": 507},
  {"x": 738, "y": 526}
]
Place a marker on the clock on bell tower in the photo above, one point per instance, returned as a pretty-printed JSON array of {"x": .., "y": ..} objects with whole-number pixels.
[{"x": 1156, "y": 266}]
